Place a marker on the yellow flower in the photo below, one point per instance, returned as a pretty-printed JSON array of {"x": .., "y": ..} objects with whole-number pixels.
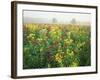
[
  {"x": 70, "y": 52},
  {"x": 39, "y": 39},
  {"x": 74, "y": 64},
  {"x": 31, "y": 27},
  {"x": 80, "y": 44},
  {"x": 31, "y": 36},
  {"x": 58, "y": 57},
  {"x": 68, "y": 41}
]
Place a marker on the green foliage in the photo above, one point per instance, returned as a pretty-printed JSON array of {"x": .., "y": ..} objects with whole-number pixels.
[{"x": 56, "y": 45}]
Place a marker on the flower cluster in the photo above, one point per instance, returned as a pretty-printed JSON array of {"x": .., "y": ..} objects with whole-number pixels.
[{"x": 55, "y": 45}]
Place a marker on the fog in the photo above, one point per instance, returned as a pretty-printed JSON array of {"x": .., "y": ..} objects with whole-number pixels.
[{"x": 58, "y": 17}]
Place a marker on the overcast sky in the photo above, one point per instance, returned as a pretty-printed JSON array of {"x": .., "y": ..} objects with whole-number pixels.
[{"x": 46, "y": 17}]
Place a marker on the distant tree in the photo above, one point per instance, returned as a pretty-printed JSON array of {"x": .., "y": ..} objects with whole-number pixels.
[
  {"x": 54, "y": 20},
  {"x": 73, "y": 21}
]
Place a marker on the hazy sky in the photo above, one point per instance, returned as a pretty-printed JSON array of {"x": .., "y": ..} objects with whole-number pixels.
[{"x": 46, "y": 17}]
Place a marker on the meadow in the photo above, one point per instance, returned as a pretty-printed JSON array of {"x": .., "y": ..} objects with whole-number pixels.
[{"x": 56, "y": 45}]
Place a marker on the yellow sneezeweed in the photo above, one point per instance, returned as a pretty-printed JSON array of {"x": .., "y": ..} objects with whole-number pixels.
[
  {"x": 80, "y": 44},
  {"x": 58, "y": 57},
  {"x": 31, "y": 27},
  {"x": 74, "y": 64},
  {"x": 55, "y": 30},
  {"x": 70, "y": 53},
  {"x": 42, "y": 33},
  {"x": 39, "y": 39},
  {"x": 68, "y": 41},
  {"x": 31, "y": 37}
]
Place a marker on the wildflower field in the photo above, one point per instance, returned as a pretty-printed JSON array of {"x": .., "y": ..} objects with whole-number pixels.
[{"x": 56, "y": 45}]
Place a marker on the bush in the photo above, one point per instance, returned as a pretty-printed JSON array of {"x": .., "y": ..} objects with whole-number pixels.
[{"x": 56, "y": 45}]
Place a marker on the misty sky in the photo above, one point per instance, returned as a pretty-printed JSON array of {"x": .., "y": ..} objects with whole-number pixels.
[{"x": 46, "y": 17}]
